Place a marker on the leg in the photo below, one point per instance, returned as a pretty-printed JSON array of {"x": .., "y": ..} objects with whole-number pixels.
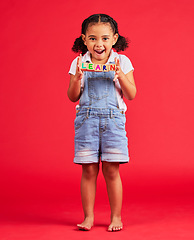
[
  {"x": 88, "y": 192},
  {"x": 115, "y": 192}
]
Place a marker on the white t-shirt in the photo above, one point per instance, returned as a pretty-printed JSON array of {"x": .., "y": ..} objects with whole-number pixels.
[{"x": 126, "y": 66}]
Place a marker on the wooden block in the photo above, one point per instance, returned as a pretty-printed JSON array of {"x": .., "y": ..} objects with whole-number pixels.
[
  {"x": 105, "y": 67},
  {"x": 90, "y": 67},
  {"x": 112, "y": 67},
  {"x": 84, "y": 66},
  {"x": 98, "y": 67}
]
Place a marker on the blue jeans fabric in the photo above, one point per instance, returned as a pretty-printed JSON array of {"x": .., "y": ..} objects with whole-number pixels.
[{"x": 100, "y": 124}]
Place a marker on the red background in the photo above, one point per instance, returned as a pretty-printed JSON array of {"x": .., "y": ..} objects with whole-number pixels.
[{"x": 37, "y": 117}]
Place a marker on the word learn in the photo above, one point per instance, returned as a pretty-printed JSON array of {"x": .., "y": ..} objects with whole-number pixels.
[{"x": 98, "y": 67}]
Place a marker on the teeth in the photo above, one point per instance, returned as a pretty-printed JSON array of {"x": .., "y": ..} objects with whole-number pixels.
[{"x": 99, "y": 51}]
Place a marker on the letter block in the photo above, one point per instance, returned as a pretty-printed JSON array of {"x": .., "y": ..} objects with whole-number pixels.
[{"x": 98, "y": 67}]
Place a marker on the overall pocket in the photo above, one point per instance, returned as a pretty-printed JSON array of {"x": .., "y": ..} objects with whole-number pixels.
[
  {"x": 98, "y": 88},
  {"x": 79, "y": 120},
  {"x": 119, "y": 121}
]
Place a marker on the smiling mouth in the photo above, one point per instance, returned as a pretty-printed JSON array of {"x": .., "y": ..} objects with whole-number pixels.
[{"x": 99, "y": 51}]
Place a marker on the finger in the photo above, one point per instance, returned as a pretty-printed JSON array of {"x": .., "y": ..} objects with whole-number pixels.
[
  {"x": 79, "y": 59},
  {"x": 116, "y": 60},
  {"x": 115, "y": 77},
  {"x": 79, "y": 63}
]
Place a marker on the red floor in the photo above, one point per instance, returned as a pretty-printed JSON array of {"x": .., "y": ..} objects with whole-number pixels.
[{"x": 157, "y": 219}]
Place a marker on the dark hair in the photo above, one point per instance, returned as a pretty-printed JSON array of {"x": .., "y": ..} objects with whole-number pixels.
[{"x": 80, "y": 47}]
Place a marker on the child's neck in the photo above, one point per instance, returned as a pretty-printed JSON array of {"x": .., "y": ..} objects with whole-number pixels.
[{"x": 103, "y": 61}]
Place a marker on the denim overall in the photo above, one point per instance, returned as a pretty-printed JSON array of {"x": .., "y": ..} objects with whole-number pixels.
[{"x": 100, "y": 124}]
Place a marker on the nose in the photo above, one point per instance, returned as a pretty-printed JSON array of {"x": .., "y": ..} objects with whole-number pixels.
[{"x": 99, "y": 43}]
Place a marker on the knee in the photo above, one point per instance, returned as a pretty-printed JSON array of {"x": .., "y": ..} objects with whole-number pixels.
[
  {"x": 110, "y": 170},
  {"x": 90, "y": 171}
]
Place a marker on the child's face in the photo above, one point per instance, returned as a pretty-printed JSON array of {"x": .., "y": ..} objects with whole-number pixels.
[{"x": 99, "y": 40}]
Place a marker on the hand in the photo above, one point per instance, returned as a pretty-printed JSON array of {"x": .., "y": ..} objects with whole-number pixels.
[
  {"x": 79, "y": 72},
  {"x": 118, "y": 73}
]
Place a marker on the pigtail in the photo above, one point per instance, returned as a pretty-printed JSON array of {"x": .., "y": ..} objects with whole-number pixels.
[
  {"x": 121, "y": 44},
  {"x": 79, "y": 46}
]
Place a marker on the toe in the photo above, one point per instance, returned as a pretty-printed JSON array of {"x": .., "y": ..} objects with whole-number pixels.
[
  {"x": 87, "y": 228},
  {"x": 110, "y": 228},
  {"x": 79, "y": 226}
]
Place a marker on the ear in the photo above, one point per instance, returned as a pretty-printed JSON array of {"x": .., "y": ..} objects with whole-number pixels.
[
  {"x": 84, "y": 38},
  {"x": 115, "y": 38}
]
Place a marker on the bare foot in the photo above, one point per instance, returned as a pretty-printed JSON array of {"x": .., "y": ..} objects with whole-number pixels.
[
  {"x": 86, "y": 225},
  {"x": 116, "y": 224}
]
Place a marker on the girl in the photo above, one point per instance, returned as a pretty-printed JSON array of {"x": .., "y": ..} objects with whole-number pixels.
[{"x": 100, "y": 115}]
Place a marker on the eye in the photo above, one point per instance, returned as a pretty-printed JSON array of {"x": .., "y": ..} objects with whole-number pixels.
[
  {"x": 92, "y": 39},
  {"x": 106, "y": 38}
]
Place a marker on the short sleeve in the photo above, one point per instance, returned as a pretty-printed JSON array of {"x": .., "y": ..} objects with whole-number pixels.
[
  {"x": 126, "y": 64},
  {"x": 73, "y": 67}
]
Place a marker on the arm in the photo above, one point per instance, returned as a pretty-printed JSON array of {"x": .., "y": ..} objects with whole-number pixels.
[
  {"x": 126, "y": 81},
  {"x": 74, "y": 89}
]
